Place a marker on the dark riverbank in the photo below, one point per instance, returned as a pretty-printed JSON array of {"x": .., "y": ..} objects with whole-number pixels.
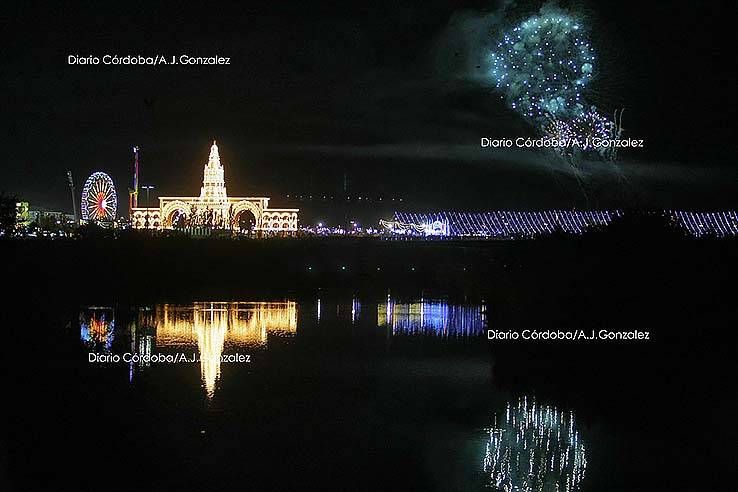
[{"x": 627, "y": 261}]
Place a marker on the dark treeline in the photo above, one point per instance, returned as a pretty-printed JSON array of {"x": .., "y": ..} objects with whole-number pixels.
[{"x": 635, "y": 258}]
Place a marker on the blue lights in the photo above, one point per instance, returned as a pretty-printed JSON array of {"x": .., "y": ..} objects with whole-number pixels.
[
  {"x": 432, "y": 317},
  {"x": 525, "y": 225},
  {"x": 699, "y": 224},
  {"x": 501, "y": 224}
]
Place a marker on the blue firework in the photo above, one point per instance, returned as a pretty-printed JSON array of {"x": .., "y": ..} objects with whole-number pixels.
[{"x": 542, "y": 66}]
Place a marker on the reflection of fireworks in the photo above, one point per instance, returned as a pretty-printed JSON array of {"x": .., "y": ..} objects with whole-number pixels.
[{"x": 536, "y": 448}]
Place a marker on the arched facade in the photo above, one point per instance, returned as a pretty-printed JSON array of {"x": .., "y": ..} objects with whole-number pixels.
[
  {"x": 214, "y": 208},
  {"x": 237, "y": 208},
  {"x": 168, "y": 210},
  {"x": 279, "y": 220},
  {"x": 148, "y": 218}
]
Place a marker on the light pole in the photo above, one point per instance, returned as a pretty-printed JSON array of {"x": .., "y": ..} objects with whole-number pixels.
[{"x": 74, "y": 202}]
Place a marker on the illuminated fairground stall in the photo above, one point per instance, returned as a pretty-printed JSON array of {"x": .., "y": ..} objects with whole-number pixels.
[{"x": 214, "y": 209}]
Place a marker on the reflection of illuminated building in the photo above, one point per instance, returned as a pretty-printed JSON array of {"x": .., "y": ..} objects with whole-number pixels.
[
  {"x": 355, "y": 309},
  {"x": 432, "y": 317},
  {"x": 536, "y": 448},
  {"x": 97, "y": 326},
  {"x": 216, "y": 325},
  {"x": 337, "y": 311}
]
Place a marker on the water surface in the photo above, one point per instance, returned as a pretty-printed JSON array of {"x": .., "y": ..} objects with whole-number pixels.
[{"x": 331, "y": 392}]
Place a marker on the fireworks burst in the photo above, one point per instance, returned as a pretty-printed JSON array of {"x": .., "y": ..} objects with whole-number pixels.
[
  {"x": 542, "y": 65},
  {"x": 560, "y": 131},
  {"x": 590, "y": 126},
  {"x": 584, "y": 134},
  {"x": 542, "y": 68}
]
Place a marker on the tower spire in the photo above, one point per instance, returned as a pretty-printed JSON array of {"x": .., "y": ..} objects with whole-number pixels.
[
  {"x": 213, "y": 182},
  {"x": 214, "y": 159}
]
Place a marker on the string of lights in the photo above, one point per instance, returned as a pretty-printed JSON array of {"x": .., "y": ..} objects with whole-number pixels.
[
  {"x": 520, "y": 225},
  {"x": 500, "y": 224},
  {"x": 700, "y": 224}
]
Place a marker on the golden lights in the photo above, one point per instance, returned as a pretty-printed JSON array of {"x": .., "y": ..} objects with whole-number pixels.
[{"x": 214, "y": 327}]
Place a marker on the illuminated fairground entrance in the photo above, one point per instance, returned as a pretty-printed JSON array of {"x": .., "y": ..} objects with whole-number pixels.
[{"x": 214, "y": 209}]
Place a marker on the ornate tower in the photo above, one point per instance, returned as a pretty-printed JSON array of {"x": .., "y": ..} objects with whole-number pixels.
[
  {"x": 213, "y": 182},
  {"x": 214, "y": 209}
]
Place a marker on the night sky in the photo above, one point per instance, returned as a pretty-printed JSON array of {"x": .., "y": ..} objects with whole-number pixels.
[{"x": 377, "y": 95}]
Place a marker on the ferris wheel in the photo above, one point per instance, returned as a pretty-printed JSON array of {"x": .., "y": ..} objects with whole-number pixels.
[{"x": 99, "y": 199}]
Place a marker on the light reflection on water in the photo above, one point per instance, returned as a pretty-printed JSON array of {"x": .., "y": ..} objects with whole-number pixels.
[
  {"x": 211, "y": 325},
  {"x": 531, "y": 448},
  {"x": 97, "y": 328},
  {"x": 214, "y": 328},
  {"x": 434, "y": 317},
  {"x": 536, "y": 448}
]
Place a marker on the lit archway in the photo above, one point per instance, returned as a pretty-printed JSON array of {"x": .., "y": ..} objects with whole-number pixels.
[
  {"x": 245, "y": 216},
  {"x": 175, "y": 211},
  {"x": 178, "y": 219},
  {"x": 245, "y": 221}
]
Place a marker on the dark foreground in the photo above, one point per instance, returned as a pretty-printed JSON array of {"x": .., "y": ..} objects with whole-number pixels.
[{"x": 346, "y": 401}]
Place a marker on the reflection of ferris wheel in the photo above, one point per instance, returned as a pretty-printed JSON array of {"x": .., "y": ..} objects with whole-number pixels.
[{"x": 99, "y": 200}]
